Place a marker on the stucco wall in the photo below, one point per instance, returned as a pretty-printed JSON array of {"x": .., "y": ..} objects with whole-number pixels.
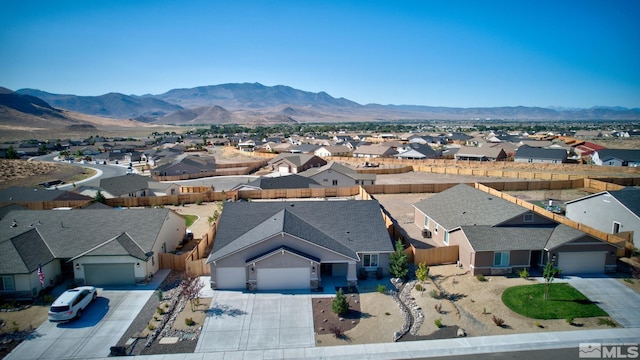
[
  {"x": 325, "y": 178},
  {"x": 601, "y": 211}
]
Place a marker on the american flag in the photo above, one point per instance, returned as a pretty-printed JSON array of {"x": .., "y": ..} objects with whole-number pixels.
[{"x": 41, "y": 275}]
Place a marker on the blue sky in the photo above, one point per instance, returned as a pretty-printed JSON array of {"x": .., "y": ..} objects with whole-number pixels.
[{"x": 441, "y": 53}]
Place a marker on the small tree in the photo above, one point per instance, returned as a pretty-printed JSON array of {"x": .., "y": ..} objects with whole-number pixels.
[
  {"x": 398, "y": 264},
  {"x": 421, "y": 274},
  {"x": 12, "y": 153},
  {"x": 549, "y": 274},
  {"x": 340, "y": 305},
  {"x": 99, "y": 197},
  {"x": 190, "y": 287}
]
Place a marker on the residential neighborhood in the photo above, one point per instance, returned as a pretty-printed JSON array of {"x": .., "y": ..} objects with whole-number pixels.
[{"x": 288, "y": 226}]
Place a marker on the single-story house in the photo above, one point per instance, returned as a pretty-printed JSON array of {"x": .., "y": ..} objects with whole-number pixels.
[
  {"x": 528, "y": 154},
  {"x": 495, "y": 236},
  {"x": 374, "y": 151},
  {"x": 295, "y": 163},
  {"x": 101, "y": 247},
  {"x": 291, "y": 245},
  {"x": 18, "y": 195},
  {"x": 292, "y": 181},
  {"x": 334, "y": 150},
  {"x": 134, "y": 185},
  {"x": 417, "y": 151},
  {"x": 617, "y": 157},
  {"x": 186, "y": 164},
  {"x": 304, "y": 148},
  {"x": 487, "y": 152},
  {"x": 337, "y": 175},
  {"x": 613, "y": 211}
]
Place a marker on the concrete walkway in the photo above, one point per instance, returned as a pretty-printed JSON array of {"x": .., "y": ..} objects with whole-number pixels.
[
  {"x": 620, "y": 302},
  {"x": 429, "y": 349}
]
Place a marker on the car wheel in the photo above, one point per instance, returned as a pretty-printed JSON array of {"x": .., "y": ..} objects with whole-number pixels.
[
  {"x": 95, "y": 295},
  {"x": 79, "y": 314}
]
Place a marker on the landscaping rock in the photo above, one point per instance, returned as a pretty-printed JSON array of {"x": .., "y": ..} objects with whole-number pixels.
[{"x": 461, "y": 333}]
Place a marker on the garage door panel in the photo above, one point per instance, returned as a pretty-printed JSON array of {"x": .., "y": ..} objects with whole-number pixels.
[
  {"x": 284, "y": 279},
  {"x": 581, "y": 262},
  {"x": 109, "y": 274},
  {"x": 231, "y": 278}
]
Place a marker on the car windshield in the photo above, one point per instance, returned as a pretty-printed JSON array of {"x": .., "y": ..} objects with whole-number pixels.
[{"x": 59, "y": 308}]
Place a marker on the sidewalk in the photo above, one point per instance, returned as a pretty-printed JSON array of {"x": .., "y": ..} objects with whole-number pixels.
[{"x": 430, "y": 348}]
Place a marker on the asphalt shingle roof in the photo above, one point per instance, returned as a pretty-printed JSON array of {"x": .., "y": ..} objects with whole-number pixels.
[
  {"x": 528, "y": 152},
  {"x": 125, "y": 184},
  {"x": 344, "y": 170},
  {"x": 23, "y": 194},
  {"x": 345, "y": 227},
  {"x": 622, "y": 154},
  {"x": 466, "y": 205},
  {"x": 629, "y": 197},
  {"x": 284, "y": 182}
]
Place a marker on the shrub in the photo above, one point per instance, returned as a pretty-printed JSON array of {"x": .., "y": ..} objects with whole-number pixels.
[
  {"x": 569, "y": 320},
  {"x": 151, "y": 327},
  {"x": 524, "y": 273},
  {"x": 537, "y": 324},
  {"x": 340, "y": 304},
  {"x": 498, "y": 321},
  {"x": 382, "y": 288},
  {"x": 435, "y": 294},
  {"x": 419, "y": 287},
  {"x": 629, "y": 280},
  {"x": 198, "y": 202},
  {"x": 481, "y": 277},
  {"x": 438, "y": 323},
  {"x": 48, "y": 299},
  {"x": 484, "y": 311},
  {"x": 159, "y": 310},
  {"x": 189, "y": 322},
  {"x": 337, "y": 332},
  {"x": 607, "y": 321},
  {"x": 438, "y": 308},
  {"x": 159, "y": 295},
  {"x": 387, "y": 313}
]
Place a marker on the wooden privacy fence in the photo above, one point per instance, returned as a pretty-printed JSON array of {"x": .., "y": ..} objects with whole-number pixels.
[
  {"x": 299, "y": 193},
  {"x": 189, "y": 198},
  {"x": 221, "y": 170},
  {"x": 433, "y": 256},
  {"x": 193, "y": 262}
]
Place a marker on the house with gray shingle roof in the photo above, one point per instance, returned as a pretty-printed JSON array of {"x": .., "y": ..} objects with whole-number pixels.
[
  {"x": 612, "y": 211},
  {"x": 101, "y": 247},
  {"x": 616, "y": 157},
  {"x": 295, "y": 163},
  {"x": 134, "y": 185},
  {"x": 186, "y": 164},
  {"x": 495, "y": 236},
  {"x": 292, "y": 181},
  {"x": 417, "y": 151},
  {"x": 335, "y": 174},
  {"x": 291, "y": 245},
  {"x": 528, "y": 154}
]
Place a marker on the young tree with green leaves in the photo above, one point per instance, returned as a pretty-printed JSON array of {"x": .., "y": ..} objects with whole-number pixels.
[
  {"x": 12, "y": 153},
  {"x": 99, "y": 197},
  {"x": 549, "y": 274},
  {"x": 340, "y": 304},
  {"x": 422, "y": 272},
  {"x": 398, "y": 262}
]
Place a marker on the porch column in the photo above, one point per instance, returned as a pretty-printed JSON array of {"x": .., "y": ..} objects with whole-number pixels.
[{"x": 352, "y": 277}]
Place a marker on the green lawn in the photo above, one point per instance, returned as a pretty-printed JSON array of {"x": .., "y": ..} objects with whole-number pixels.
[
  {"x": 190, "y": 219},
  {"x": 564, "y": 302}
]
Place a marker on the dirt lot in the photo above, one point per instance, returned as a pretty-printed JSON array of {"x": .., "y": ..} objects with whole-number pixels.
[
  {"x": 476, "y": 303},
  {"x": 31, "y": 173}
]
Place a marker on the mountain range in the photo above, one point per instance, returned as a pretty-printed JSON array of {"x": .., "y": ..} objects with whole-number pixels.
[{"x": 254, "y": 103}]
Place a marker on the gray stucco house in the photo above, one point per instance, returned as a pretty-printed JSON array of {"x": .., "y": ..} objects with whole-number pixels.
[
  {"x": 101, "y": 247},
  {"x": 610, "y": 211},
  {"x": 291, "y": 245},
  {"x": 495, "y": 236},
  {"x": 335, "y": 174},
  {"x": 529, "y": 154},
  {"x": 616, "y": 157}
]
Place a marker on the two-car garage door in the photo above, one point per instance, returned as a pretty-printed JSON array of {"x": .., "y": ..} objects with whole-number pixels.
[
  {"x": 284, "y": 278},
  {"x": 109, "y": 274},
  {"x": 587, "y": 262}
]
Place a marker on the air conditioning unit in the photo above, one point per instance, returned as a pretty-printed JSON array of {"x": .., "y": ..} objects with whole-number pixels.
[{"x": 426, "y": 233}]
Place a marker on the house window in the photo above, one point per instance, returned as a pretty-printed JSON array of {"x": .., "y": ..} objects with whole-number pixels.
[
  {"x": 325, "y": 180},
  {"x": 446, "y": 238},
  {"x": 528, "y": 217},
  {"x": 370, "y": 260},
  {"x": 611, "y": 163},
  {"x": 501, "y": 258},
  {"x": 334, "y": 182},
  {"x": 616, "y": 227},
  {"x": 7, "y": 283},
  {"x": 426, "y": 222},
  {"x": 530, "y": 160}
]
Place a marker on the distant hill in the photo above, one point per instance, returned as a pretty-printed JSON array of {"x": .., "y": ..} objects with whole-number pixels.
[
  {"x": 250, "y": 96},
  {"x": 254, "y": 103},
  {"x": 113, "y": 105}
]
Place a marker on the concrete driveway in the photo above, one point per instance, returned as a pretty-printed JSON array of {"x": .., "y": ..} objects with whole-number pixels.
[
  {"x": 102, "y": 324},
  {"x": 257, "y": 321},
  {"x": 620, "y": 302}
]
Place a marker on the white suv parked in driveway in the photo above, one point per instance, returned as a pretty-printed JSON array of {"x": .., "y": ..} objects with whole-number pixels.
[{"x": 70, "y": 304}]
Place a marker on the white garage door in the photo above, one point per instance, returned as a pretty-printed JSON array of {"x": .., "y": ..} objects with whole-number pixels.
[
  {"x": 231, "y": 278},
  {"x": 109, "y": 274},
  {"x": 284, "y": 278},
  {"x": 283, "y": 169},
  {"x": 581, "y": 262}
]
